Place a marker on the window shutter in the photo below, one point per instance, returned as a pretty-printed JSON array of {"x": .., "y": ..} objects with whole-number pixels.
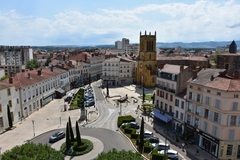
[
  {"x": 199, "y": 123},
  {"x": 209, "y": 114},
  {"x": 203, "y": 111},
  {"x": 229, "y": 120},
  {"x": 219, "y": 118},
  {"x": 238, "y": 120},
  {"x": 193, "y": 97}
]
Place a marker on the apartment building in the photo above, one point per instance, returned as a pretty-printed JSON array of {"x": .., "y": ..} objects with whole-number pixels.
[
  {"x": 37, "y": 87},
  {"x": 171, "y": 81},
  {"x": 118, "y": 44},
  {"x": 14, "y": 58},
  {"x": 132, "y": 49},
  {"x": 125, "y": 42},
  {"x": 213, "y": 114},
  {"x": 118, "y": 71},
  {"x": 9, "y": 96},
  {"x": 95, "y": 66}
]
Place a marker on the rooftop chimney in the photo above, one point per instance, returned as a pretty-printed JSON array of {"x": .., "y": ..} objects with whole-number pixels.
[
  {"x": 11, "y": 80},
  {"x": 39, "y": 72},
  {"x": 161, "y": 65},
  {"x": 29, "y": 76},
  {"x": 194, "y": 74},
  {"x": 236, "y": 75},
  {"x": 181, "y": 68}
]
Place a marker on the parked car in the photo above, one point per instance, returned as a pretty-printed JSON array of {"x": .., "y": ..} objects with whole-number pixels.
[
  {"x": 89, "y": 103},
  {"x": 172, "y": 154},
  {"x": 89, "y": 97},
  {"x": 161, "y": 146},
  {"x": 148, "y": 134},
  {"x": 57, "y": 136},
  {"x": 152, "y": 139},
  {"x": 132, "y": 125}
]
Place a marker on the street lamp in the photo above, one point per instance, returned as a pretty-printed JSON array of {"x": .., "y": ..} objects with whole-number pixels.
[
  {"x": 33, "y": 128},
  {"x": 86, "y": 114}
]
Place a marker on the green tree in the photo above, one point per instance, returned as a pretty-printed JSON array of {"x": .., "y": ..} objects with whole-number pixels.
[
  {"x": 70, "y": 129},
  {"x": 68, "y": 142},
  {"x": 48, "y": 61},
  {"x": 78, "y": 134},
  {"x": 31, "y": 151},
  {"x": 9, "y": 117},
  {"x": 141, "y": 143},
  {"x": 119, "y": 155},
  {"x": 33, "y": 64}
]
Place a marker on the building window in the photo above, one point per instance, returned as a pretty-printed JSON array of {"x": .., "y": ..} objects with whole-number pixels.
[
  {"x": 204, "y": 126},
  {"x": 199, "y": 98},
  {"x": 214, "y": 131},
  {"x": 188, "y": 119},
  {"x": 171, "y": 97},
  {"x": 9, "y": 92},
  {"x": 199, "y": 88},
  {"x": 10, "y": 103},
  {"x": 198, "y": 110},
  {"x": 176, "y": 102},
  {"x": 229, "y": 149},
  {"x": 219, "y": 93},
  {"x": 233, "y": 120},
  {"x": 161, "y": 105},
  {"x": 177, "y": 114},
  {"x": 208, "y": 91},
  {"x": 190, "y": 86},
  {"x": 215, "y": 117},
  {"x": 17, "y": 101},
  {"x": 29, "y": 95},
  {"x": 197, "y": 123},
  {"x": 217, "y": 104},
  {"x": 182, "y": 105},
  {"x": 166, "y": 95},
  {"x": 1, "y": 122},
  {"x": 206, "y": 113},
  {"x": 207, "y": 100},
  {"x": 181, "y": 116},
  {"x": 24, "y": 97},
  {"x": 231, "y": 134},
  {"x": 235, "y": 106},
  {"x": 235, "y": 95},
  {"x": 166, "y": 107}
]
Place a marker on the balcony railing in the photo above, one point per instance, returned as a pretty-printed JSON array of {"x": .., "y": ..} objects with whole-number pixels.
[{"x": 165, "y": 88}]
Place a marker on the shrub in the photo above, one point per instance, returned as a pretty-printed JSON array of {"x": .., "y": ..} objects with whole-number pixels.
[
  {"x": 128, "y": 130},
  {"x": 82, "y": 147},
  {"x": 134, "y": 136},
  {"x": 124, "y": 119},
  {"x": 157, "y": 156}
]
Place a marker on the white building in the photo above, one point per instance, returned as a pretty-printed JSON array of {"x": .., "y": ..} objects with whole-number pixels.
[
  {"x": 132, "y": 49},
  {"x": 117, "y": 71},
  {"x": 125, "y": 42},
  {"x": 171, "y": 81},
  {"x": 96, "y": 67},
  {"x": 37, "y": 87},
  {"x": 118, "y": 44},
  {"x": 14, "y": 58},
  {"x": 9, "y": 95}
]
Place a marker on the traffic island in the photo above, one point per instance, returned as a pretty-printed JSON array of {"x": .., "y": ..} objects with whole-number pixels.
[{"x": 75, "y": 150}]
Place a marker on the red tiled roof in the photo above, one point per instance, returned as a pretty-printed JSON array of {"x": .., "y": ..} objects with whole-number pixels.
[{"x": 21, "y": 79}]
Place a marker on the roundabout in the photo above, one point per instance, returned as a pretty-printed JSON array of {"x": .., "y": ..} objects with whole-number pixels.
[{"x": 97, "y": 148}]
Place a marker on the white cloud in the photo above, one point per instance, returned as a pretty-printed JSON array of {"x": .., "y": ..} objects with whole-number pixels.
[{"x": 200, "y": 21}]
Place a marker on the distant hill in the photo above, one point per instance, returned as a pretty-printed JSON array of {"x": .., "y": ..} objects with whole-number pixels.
[
  {"x": 202, "y": 45},
  {"x": 209, "y": 45}
]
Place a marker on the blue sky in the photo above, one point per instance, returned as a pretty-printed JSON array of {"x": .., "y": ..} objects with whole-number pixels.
[{"x": 93, "y": 22}]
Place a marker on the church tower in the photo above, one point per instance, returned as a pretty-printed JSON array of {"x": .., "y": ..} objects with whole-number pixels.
[{"x": 147, "y": 65}]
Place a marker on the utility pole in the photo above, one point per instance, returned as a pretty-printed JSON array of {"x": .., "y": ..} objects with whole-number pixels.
[{"x": 33, "y": 128}]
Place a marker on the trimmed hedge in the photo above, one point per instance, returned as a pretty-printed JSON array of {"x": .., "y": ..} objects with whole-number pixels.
[
  {"x": 124, "y": 119},
  {"x": 157, "y": 156},
  {"x": 134, "y": 136}
]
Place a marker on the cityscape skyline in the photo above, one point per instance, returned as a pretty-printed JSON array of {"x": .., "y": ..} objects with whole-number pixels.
[{"x": 101, "y": 22}]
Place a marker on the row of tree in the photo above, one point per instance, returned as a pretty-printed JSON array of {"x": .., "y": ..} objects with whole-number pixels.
[{"x": 70, "y": 136}]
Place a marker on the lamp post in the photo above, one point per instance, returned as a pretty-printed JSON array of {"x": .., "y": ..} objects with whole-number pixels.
[
  {"x": 120, "y": 108},
  {"x": 86, "y": 114},
  {"x": 60, "y": 120},
  {"x": 33, "y": 128}
]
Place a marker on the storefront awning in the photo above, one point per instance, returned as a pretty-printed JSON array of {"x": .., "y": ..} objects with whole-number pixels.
[
  {"x": 60, "y": 90},
  {"x": 161, "y": 116},
  {"x": 48, "y": 94}
]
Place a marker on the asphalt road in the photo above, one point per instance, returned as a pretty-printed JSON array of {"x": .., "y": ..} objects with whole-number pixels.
[{"x": 110, "y": 139}]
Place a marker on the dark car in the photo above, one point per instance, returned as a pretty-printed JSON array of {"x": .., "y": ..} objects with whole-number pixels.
[
  {"x": 152, "y": 139},
  {"x": 89, "y": 103},
  {"x": 132, "y": 125},
  {"x": 57, "y": 136}
]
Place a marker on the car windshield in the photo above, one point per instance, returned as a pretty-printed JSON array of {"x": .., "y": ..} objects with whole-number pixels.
[{"x": 55, "y": 134}]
